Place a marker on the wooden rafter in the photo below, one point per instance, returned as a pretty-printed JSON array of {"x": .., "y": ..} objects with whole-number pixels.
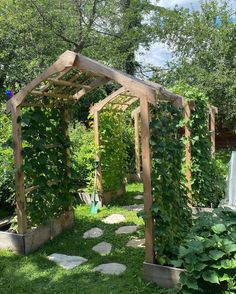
[
  {"x": 52, "y": 94},
  {"x": 68, "y": 84}
]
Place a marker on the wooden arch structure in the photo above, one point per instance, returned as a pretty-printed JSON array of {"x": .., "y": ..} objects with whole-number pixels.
[{"x": 67, "y": 80}]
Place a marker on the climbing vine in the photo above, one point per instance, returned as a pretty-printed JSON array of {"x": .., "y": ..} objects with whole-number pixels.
[
  {"x": 206, "y": 183},
  {"x": 172, "y": 217},
  {"x": 45, "y": 158},
  {"x": 114, "y": 153}
]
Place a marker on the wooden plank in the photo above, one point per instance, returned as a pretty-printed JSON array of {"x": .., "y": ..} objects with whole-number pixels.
[
  {"x": 95, "y": 84},
  {"x": 65, "y": 60},
  {"x": 187, "y": 114},
  {"x": 137, "y": 144},
  {"x": 97, "y": 145},
  {"x": 164, "y": 276},
  {"x": 213, "y": 133},
  {"x": 129, "y": 103},
  {"x": 146, "y": 161},
  {"x": 68, "y": 84},
  {"x": 19, "y": 173},
  {"x": 98, "y": 106},
  {"x": 52, "y": 94}
]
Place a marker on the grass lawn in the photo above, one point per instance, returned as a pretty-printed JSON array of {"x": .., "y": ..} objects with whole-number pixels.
[{"x": 36, "y": 274}]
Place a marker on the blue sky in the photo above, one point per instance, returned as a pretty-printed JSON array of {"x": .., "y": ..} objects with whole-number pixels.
[{"x": 159, "y": 53}]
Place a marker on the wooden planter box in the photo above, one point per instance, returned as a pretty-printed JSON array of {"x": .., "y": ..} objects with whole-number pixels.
[
  {"x": 107, "y": 196},
  {"x": 26, "y": 243},
  {"x": 163, "y": 276}
]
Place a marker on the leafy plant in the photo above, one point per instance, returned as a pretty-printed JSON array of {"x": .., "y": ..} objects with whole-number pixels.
[
  {"x": 206, "y": 182},
  {"x": 208, "y": 254},
  {"x": 172, "y": 217},
  {"x": 114, "y": 153}
]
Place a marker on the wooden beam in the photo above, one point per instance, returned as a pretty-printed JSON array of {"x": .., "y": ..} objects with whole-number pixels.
[
  {"x": 97, "y": 145},
  {"x": 187, "y": 114},
  {"x": 98, "y": 106},
  {"x": 137, "y": 87},
  {"x": 66, "y": 60},
  {"x": 52, "y": 94},
  {"x": 95, "y": 84},
  {"x": 68, "y": 84},
  {"x": 130, "y": 102},
  {"x": 137, "y": 144},
  {"x": 146, "y": 160},
  {"x": 19, "y": 173}
]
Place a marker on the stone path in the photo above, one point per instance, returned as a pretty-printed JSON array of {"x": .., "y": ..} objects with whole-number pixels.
[
  {"x": 102, "y": 248},
  {"x": 126, "y": 230},
  {"x": 110, "y": 268},
  {"x": 114, "y": 219},
  {"x": 136, "y": 243},
  {"x": 93, "y": 233},
  {"x": 67, "y": 261},
  {"x": 138, "y": 197},
  {"x": 134, "y": 207}
]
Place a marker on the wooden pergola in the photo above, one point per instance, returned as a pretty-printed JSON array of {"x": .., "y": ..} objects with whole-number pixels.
[{"x": 69, "y": 79}]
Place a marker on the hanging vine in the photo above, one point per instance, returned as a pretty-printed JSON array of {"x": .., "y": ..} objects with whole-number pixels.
[{"x": 172, "y": 217}]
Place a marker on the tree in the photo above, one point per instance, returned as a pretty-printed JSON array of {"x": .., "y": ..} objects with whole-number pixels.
[{"x": 203, "y": 43}]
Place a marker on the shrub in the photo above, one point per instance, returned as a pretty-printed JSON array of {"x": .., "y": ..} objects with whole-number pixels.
[{"x": 209, "y": 254}]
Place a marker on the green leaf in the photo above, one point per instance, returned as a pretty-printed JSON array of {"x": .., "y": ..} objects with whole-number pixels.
[
  {"x": 210, "y": 276},
  {"x": 216, "y": 254},
  {"x": 219, "y": 228}
]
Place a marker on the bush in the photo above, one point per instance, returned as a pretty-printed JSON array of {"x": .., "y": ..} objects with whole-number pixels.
[{"x": 209, "y": 254}]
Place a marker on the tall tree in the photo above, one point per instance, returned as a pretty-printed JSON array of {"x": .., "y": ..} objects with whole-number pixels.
[{"x": 203, "y": 43}]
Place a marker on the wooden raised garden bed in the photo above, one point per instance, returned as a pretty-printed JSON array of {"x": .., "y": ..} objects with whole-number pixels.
[
  {"x": 107, "y": 196},
  {"x": 34, "y": 238}
]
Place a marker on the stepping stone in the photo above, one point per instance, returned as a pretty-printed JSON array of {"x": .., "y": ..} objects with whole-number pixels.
[
  {"x": 135, "y": 207},
  {"x": 126, "y": 230},
  {"x": 93, "y": 233},
  {"x": 114, "y": 219},
  {"x": 102, "y": 248},
  {"x": 138, "y": 197},
  {"x": 136, "y": 243},
  {"x": 67, "y": 261},
  {"x": 110, "y": 268}
]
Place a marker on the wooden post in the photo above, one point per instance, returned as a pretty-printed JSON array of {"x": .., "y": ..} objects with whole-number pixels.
[
  {"x": 97, "y": 144},
  {"x": 19, "y": 173},
  {"x": 212, "y": 131},
  {"x": 146, "y": 162},
  {"x": 137, "y": 143},
  {"x": 187, "y": 113}
]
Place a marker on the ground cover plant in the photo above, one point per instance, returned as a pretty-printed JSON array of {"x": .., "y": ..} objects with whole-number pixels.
[
  {"x": 209, "y": 254},
  {"x": 36, "y": 274}
]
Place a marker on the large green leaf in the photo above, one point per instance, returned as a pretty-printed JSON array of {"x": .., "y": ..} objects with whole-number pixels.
[{"x": 210, "y": 276}]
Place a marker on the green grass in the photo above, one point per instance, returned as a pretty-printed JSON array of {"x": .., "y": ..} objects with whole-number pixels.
[{"x": 36, "y": 274}]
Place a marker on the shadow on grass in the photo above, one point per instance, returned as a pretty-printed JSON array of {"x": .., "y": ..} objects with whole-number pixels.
[{"x": 36, "y": 274}]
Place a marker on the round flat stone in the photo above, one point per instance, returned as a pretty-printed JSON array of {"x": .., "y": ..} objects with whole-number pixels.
[
  {"x": 93, "y": 233},
  {"x": 102, "y": 248},
  {"x": 67, "y": 261},
  {"x": 134, "y": 207},
  {"x": 110, "y": 268},
  {"x": 136, "y": 243},
  {"x": 138, "y": 197},
  {"x": 114, "y": 219},
  {"x": 126, "y": 230}
]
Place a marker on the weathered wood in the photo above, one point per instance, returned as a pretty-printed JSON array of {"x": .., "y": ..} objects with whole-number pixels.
[
  {"x": 65, "y": 60},
  {"x": 68, "y": 84},
  {"x": 187, "y": 113},
  {"x": 19, "y": 174},
  {"x": 5, "y": 221},
  {"x": 146, "y": 163},
  {"x": 137, "y": 144},
  {"x": 97, "y": 145},
  {"x": 52, "y": 94},
  {"x": 98, "y": 106},
  {"x": 164, "y": 276},
  {"x": 95, "y": 84}
]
